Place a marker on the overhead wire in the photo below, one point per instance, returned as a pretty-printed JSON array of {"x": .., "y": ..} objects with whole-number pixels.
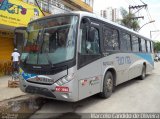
[
  {"x": 147, "y": 11},
  {"x": 148, "y": 14},
  {"x": 134, "y": 2},
  {"x": 128, "y": 2},
  {"x": 137, "y": 12},
  {"x": 142, "y": 2},
  {"x": 131, "y": 2},
  {"x": 40, "y": 8},
  {"x": 150, "y": 17}
]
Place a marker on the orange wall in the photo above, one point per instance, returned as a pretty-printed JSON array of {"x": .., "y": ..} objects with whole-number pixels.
[
  {"x": 83, "y": 5},
  {"x": 6, "y": 48}
]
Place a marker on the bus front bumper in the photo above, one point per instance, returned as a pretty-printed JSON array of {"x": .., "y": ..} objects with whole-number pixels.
[{"x": 48, "y": 91}]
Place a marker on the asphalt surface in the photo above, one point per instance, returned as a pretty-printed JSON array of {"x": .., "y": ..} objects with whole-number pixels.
[{"x": 134, "y": 96}]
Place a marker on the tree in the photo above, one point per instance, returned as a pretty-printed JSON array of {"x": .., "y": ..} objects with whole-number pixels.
[
  {"x": 156, "y": 46},
  {"x": 128, "y": 21}
]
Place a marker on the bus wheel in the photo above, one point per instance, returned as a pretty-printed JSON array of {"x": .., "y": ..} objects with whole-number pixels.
[
  {"x": 107, "y": 85},
  {"x": 143, "y": 75}
]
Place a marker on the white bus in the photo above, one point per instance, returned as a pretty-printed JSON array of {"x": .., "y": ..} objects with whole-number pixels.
[{"x": 76, "y": 55}]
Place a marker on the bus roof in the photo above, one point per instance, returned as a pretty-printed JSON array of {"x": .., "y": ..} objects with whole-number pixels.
[{"x": 83, "y": 13}]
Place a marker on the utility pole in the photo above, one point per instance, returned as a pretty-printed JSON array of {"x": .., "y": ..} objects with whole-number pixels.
[
  {"x": 153, "y": 31},
  {"x": 137, "y": 17},
  {"x": 139, "y": 7}
]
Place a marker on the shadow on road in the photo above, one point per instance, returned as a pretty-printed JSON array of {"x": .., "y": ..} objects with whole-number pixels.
[{"x": 61, "y": 109}]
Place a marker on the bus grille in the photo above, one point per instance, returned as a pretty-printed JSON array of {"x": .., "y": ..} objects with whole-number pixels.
[{"x": 38, "y": 90}]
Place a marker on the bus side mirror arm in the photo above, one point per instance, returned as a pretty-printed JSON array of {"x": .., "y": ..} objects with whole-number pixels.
[{"x": 85, "y": 23}]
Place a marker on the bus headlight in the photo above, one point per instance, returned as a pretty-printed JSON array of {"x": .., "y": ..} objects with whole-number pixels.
[{"x": 65, "y": 79}]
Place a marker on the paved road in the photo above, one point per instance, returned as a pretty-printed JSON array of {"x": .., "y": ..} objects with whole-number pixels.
[{"x": 134, "y": 96}]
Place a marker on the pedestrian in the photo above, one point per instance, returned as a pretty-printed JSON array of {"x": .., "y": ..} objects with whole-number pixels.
[{"x": 15, "y": 60}]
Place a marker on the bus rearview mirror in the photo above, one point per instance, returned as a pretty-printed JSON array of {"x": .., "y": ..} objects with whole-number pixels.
[{"x": 85, "y": 23}]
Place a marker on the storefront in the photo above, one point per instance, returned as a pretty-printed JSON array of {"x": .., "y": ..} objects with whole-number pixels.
[
  {"x": 13, "y": 13},
  {"x": 17, "y": 13}
]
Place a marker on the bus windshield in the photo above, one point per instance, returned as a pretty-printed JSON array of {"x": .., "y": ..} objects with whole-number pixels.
[{"x": 50, "y": 41}]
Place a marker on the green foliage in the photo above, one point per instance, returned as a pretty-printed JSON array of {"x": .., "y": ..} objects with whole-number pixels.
[
  {"x": 157, "y": 46},
  {"x": 128, "y": 20}
]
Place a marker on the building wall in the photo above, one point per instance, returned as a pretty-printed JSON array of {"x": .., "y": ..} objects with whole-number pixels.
[
  {"x": 111, "y": 14},
  {"x": 6, "y": 44},
  {"x": 81, "y": 5},
  {"x": 21, "y": 13},
  {"x": 6, "y": 48},
  {"x": 62, "y": 6},
  {"x": 13, "y": 13}
]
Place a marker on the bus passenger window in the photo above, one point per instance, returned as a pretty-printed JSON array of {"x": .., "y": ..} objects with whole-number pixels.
[
  {"x": 135, "y": 44},
  {"x": 111, "y": 39},
  {"x": 90, "y": 45},
  {"x": 125, "y": 42},
  {"x": 143, "y": 45},
  {"x": 148, "y": 46},
  {"x": 151, "y": 44},
  {"x": 83, "y": 41}
]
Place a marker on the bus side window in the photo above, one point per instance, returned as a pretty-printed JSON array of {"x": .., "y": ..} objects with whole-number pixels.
[
  {"x": 110, "y": 39},
  {"x": 90, "y": 45},
  {"x": 125, "y": 42},
  {"x": 143, "y": 45},
  {"x": 151, "y": 46},
  {"x": 135, "y": 44},
  {"x": 148, "y": 47},
  {"x": 83, "y": 40}
]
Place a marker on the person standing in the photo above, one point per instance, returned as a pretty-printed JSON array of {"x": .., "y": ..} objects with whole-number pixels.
[{"x": 15, "y": 60}]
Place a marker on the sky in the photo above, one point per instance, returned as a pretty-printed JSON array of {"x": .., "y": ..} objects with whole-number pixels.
[{"x": 150, "y": 14}]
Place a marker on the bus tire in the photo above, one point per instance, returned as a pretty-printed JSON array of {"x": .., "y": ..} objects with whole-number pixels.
[
  {"x": 107, "y": 85},
  {"x": 143, "y": 74}
]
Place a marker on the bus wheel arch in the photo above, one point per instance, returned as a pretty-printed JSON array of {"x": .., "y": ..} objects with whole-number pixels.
[
  {"x": 109, "y": 77},
  {"x": 144, "y": 69},
  {"x": 144, "y": 64},
  {"x": 113, "y": 71}
]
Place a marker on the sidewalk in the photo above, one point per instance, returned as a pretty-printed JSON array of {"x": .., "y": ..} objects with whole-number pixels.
[{"x": 6, "y": 92}]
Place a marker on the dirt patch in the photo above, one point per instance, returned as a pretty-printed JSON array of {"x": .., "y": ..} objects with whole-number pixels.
[{"x": 20, "y": 108}]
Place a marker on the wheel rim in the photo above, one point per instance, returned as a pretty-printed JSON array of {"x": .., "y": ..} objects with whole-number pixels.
[{"x": 109, "y": 84}]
